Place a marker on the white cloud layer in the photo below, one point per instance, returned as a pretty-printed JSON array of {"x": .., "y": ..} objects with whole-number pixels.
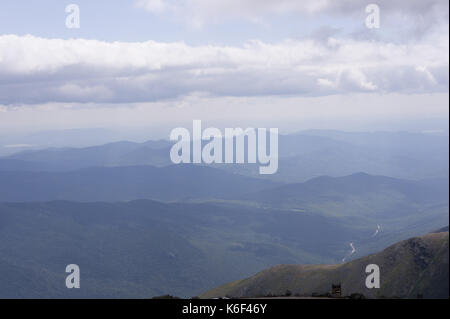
[{"x": 37, "y": 70}]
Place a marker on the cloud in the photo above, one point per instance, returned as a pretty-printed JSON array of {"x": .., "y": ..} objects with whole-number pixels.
[
  {"x": 262, "y": 7},
  {"x": 18, "y": 146},
  {"x": 154, "y": 6},
  {"x": 37, "y": 70},
  {"x": 199, "y": 12},
  {"x": 363, "y": 111}
]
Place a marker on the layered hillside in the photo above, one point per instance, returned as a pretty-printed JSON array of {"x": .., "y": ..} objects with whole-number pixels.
[{"x": 417, "y": 266}]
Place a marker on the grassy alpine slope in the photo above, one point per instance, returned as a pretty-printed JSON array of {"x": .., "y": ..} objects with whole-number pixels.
[{"x": 411, "y": 267}]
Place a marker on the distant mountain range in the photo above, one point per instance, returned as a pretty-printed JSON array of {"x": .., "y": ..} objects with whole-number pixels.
[
  {"x": 154, "y": 153},
  {"x": 303, "y": 156},
  {"x": 358, "y": 185},
  {"x": 408, "y": 269},
  {"x": 360, "y": 200},
  {"x": 177, "y": 182},
  {"x": 139, "y": 226}
]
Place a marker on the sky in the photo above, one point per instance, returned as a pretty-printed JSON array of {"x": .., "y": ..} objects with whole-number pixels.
[{"x": 159, "y": 64}]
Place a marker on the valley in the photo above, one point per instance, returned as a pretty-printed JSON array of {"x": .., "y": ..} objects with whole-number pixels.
[{"x": 139, "y": 227}]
